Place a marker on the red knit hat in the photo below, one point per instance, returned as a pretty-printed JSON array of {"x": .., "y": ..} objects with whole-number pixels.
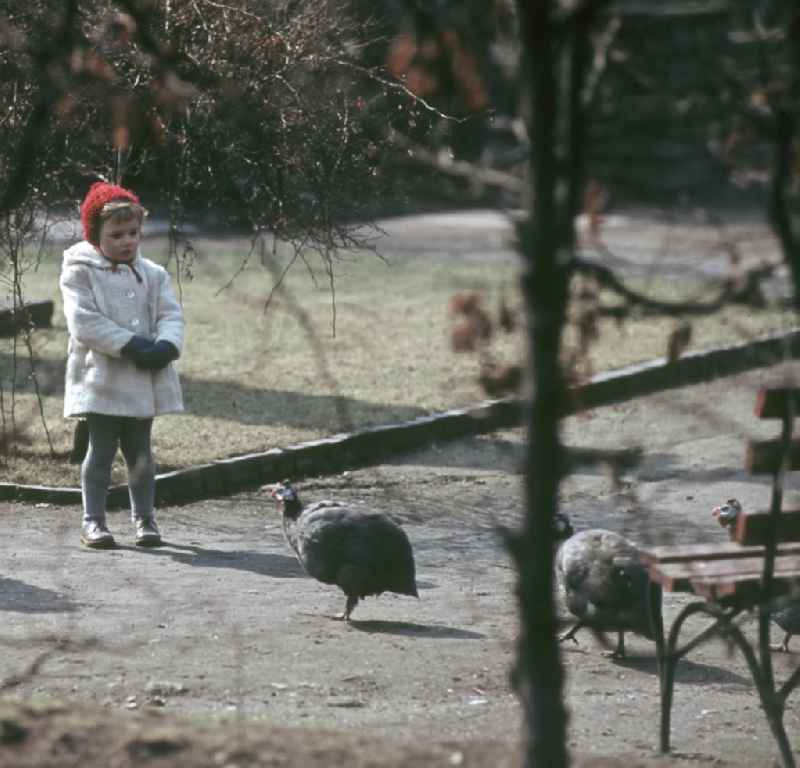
[{"x": 100, "y": 193}]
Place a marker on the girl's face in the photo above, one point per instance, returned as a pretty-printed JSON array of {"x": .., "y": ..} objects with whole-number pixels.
[{"x": 119, "y": 240}]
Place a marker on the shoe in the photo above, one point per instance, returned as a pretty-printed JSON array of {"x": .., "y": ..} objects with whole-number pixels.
[
  {"x": 147, "y": 533},
  {"x": 95, "y": 535}
]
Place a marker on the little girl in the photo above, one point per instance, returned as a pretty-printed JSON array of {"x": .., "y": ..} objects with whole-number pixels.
[{"x": 125, "y": 329}]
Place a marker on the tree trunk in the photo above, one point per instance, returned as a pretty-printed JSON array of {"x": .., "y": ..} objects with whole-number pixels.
[
  {"x": 556, "y": 58},
  {"x": 539, "y": 675}
]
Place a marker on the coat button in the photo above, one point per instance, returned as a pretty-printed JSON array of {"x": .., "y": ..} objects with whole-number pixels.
[
  {"x": 131, "y": 294},
  {"x": 135, "y": 321}
]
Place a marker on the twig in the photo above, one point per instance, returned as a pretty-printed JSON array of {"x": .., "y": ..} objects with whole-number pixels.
[
  {"x": 241, "y": 268},
  {"x": 459, "y": 168},
  {"x": 32, "y": 136},
  {"x": 607, "y": 278},
  {"x": 58, "y": 644},
  {"x": 617, "y": 459},
  {"x": 600, "y": 60},
  {"x": 27, "y": 674},
  {"x": 578, "y": 14},
  {"x": 233, "y": 9},
  {"x": 398, "y": 86},
  {"x": 277, "y": 283}
]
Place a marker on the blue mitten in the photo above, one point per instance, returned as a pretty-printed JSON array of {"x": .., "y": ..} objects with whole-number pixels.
[
  {"x": 159, "y": 356},
  {"x": 136, "y": 347}
]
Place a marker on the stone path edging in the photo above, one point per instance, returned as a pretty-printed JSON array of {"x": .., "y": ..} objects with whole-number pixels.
[{"x": 368, "y": 446}]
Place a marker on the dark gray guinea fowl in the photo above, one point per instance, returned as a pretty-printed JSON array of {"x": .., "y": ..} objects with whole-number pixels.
[
  {"x": 787, "y": 615},
  {"x": 605, "y": 585},
  {"x": 363, "y": 553}
]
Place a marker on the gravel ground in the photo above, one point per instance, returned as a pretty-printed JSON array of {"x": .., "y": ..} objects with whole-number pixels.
[{"x": 216, "y": 649}]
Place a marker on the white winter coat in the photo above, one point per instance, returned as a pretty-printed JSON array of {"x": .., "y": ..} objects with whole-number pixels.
[{"x": 105, "y": 306}]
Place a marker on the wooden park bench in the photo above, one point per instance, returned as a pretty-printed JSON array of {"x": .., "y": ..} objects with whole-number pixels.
[{"x": 759, "y": 565}]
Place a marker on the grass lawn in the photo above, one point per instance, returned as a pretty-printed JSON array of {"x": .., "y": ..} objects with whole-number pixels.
[{"x": 255, "y": 379}]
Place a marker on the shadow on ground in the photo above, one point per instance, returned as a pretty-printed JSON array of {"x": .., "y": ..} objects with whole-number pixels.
[
  {"x": 256, "y": 406},
  {"x": 21, "y": 597},
  {"x": 411, "y": 629},
  {"x": 280, "y": 566},
  {"x": 687, "y": 671}
]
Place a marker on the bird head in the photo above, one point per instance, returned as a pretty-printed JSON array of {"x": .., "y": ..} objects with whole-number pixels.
[
  {"x": 562, "y": 527},
  {"x": 727, "y": 514},
  {"x": 287, "y": 498}
]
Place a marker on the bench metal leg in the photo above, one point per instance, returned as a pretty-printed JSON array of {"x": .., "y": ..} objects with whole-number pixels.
[
  {"x": 656, "y": 615},
  {"x": 669, "y": 659},
  {"x": 667, "y": 676},
  {"x": 772, "y": 702},
  {"x": 665, "y": 663},
  {"x": 670, "y": 654}
]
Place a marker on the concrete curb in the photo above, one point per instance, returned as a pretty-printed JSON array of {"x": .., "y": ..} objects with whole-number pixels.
[{"x": 370, "y": 446}]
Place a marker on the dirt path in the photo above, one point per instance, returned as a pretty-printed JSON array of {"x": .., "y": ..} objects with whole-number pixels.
[{"x": 222, "y": 625}]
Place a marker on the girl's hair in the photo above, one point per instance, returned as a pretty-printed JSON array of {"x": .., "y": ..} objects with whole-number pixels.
[
  {"x": 118, "y": 211},
  {"x": 106, "y": 201}
]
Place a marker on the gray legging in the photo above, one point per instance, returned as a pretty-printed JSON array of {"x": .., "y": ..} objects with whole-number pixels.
[{"x": 106, "y": 433}]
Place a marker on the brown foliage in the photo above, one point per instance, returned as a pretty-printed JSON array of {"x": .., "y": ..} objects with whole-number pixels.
[
  {"x": 262, "y": 110},
  {"x": 501, "y": 379},
  {"x": 473, "y": 327},
  {"x": 436, "y": 59}
]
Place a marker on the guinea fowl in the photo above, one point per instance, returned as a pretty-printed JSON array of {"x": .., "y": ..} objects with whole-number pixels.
[
  {"x": 786, "y": 617},
  {"x": 363, "y": 553},
  {"x": 605, "y": 585}
]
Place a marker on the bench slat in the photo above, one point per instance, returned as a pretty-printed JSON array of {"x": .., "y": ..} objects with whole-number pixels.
[
  {"x": 763, "y": 457},
  {"x": 744, "y": 589},
  {"x": 751, "y": 527},
  {"x": 740, "y": 566},
  {"x": 771, "y": 403},
  {"x": 679, "y": 576},
  {"x": 710, "y": 551},
  {"x": 744, "y": 592}
]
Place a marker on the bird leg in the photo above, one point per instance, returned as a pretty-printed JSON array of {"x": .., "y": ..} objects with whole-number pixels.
[
  {"x": 619, "y": 651},
  {"x": 784, "y": 646},
  {"x": 570, "y": 635},
  {"x": 351, "y": 603}
]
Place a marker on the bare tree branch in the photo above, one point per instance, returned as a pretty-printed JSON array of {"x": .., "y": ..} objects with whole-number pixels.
[
  {"x": 732, "y": 291},
  {"x": 777, "y": 208},
  {"x": 27, "y": 150},
  {"x": 460, "y": 169},
  {"x": 578, "y": 14}
]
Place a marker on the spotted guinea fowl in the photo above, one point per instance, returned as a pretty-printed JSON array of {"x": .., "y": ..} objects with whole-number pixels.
[
  {"x": 363, "y": 553},
  {"x": 605, "y": 585},
  {"x": 786, "y": 617}
]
